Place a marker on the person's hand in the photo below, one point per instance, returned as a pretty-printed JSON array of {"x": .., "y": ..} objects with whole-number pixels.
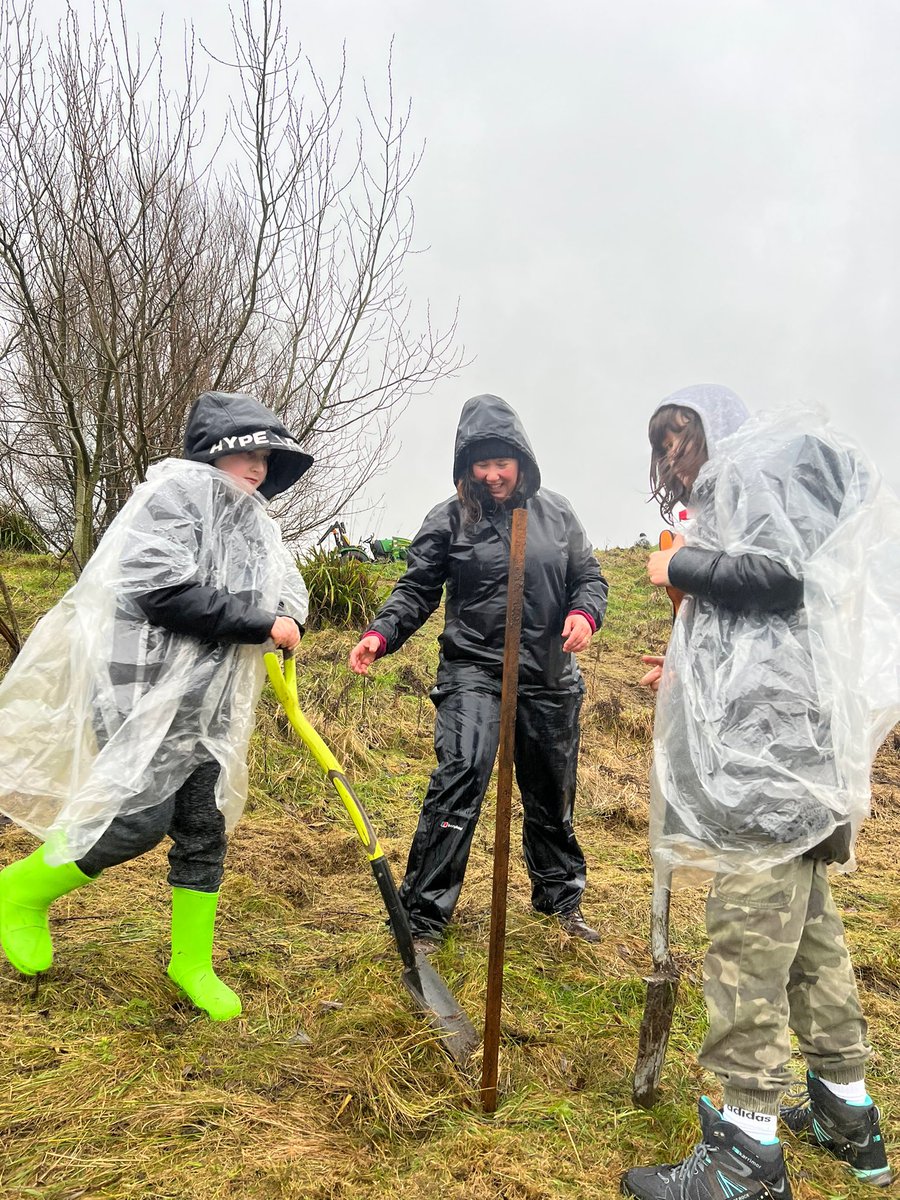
[
  {"x": 285, "y": 633},
  {"x": 653, "y": 676},
  {"x": 658, "y": 563},
  {"x": 577, "y": 633},
  {"x": 363, "y": 654}
]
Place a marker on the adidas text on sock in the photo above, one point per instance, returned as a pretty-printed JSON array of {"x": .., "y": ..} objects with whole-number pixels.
[{"x": 762, "y": 1127}]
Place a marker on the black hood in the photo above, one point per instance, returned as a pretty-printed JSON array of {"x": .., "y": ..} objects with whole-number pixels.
[
  {"x": 222, "y": 423},
  {"x": 486, "y": 418}
]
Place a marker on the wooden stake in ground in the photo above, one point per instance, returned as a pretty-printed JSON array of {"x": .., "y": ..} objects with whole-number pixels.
[
  {"x": 508, "y": 699},
  {"x": 662, "y": 985},
  {"x": 659, "y": 1005}
]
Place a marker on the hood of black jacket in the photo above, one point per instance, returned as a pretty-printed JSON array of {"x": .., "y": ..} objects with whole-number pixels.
[
  {"x": 486, "y": 417},
  {"x": 222, "y": 423}
]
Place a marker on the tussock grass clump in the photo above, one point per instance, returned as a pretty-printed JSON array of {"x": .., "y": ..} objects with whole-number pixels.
[
  {"x": 342, "y": 591},
  {"x": 17, "y": 534}
]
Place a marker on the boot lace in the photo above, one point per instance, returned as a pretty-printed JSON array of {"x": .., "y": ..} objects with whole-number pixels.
[
  {"x": 685, "y": 1171},
  {"x": 796, "y": 1107}
]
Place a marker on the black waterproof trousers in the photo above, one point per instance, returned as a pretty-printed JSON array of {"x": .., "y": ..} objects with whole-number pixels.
[
  {"x": 190, "y": 818},
  {"x": 466, "y": 738}
]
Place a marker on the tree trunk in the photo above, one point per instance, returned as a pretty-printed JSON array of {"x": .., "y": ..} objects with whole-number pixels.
[{"x": 83, "y": 531}]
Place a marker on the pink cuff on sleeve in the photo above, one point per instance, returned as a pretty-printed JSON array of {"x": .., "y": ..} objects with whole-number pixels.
[
  {"x": 382, "y": 641},
  {"x": 579, "y": 612}
]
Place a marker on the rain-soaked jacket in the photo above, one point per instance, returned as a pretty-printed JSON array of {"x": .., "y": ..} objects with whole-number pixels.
[
  {"x": 144, "y": 668},
  {"x": 561, "y": 573},
  {"x": 782, "y": 675}
]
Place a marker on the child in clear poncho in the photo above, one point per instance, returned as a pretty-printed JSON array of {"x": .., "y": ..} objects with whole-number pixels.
[
  {"x": 127, "y": 715},
  {"x": 781, "y": 678}
]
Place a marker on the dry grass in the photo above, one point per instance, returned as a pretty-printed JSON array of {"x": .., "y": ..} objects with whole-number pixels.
[{"x": 330, "y": 1087}]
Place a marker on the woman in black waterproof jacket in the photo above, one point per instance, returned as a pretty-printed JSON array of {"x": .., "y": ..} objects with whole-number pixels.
[{"x": 464, "y": 544}]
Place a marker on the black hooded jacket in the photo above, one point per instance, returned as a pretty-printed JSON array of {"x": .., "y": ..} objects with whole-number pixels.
[
  {"x": 219, "y": 424},
  {"x": 561, "y": 572},
  {"x": 223, "y": 423}
]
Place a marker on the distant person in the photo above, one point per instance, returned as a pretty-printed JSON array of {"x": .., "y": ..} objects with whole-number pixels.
[
  {"x": 126, "y": 716},
  {"x": 779, "y": 682},
  {"x": 464, "y": 544}
]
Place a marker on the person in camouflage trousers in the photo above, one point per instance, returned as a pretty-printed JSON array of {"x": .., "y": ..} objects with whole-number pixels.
[
  {"x": 764, "y": 928},
  {"x": 751, "y": 785}
]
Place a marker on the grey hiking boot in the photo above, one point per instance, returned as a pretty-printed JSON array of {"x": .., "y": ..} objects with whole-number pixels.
[
  {"x": 574, "y": 924},
  {"x": 851, "y": 1132},
  {"x": 727, "y": 1164}
]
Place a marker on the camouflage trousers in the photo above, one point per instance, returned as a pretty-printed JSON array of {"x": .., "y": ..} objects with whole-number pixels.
[{"x": 777, "y": 961}]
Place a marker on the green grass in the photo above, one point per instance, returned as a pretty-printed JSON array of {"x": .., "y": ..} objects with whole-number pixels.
[
  {"x": 639, "y": 616},
  {"x": 330, "y": 1087},
  {"x": 35, "y": 582}
]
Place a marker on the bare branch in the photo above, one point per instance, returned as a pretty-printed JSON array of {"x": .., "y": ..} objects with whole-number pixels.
[{"x": 146, "y": 256}]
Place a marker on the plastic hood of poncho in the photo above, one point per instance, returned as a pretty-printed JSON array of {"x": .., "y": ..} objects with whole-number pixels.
[
  {"x": 104, "y": 714},
  {"x": 767, "y": 723},
  {"x": 721, "y": 410}
]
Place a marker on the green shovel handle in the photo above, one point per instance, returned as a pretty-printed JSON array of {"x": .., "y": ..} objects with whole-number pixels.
[{"x": 284, "y": 683}]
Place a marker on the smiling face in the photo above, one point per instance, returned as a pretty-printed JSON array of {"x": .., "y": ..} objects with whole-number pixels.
[
  {"x": 248, "y": 468},
  {"x": 499, "y": 476}
]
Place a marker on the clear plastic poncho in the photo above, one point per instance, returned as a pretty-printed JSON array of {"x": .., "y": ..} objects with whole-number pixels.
[
  {"x": 103, "y": 713},
  {"x": 767, "y": 723}
]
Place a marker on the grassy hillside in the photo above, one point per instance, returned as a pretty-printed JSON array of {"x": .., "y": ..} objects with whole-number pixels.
[{"x": 329, "y": 1086}]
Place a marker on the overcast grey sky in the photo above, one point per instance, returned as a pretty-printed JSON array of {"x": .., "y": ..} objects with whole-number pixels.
[{"x": 628, "y": 198}]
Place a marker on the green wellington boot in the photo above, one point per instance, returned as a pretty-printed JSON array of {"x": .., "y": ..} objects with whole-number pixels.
[
  {"x": 190, "y": 967},
  {"x": 27, "y": 889}
]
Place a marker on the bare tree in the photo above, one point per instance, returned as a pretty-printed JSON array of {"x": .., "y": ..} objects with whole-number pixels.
[{"x": 143, "y": 260}]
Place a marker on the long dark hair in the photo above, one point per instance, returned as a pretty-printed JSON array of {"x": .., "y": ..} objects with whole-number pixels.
[
  {"x": 475, "y": 497},
  {"x": 666, "y": 488}
]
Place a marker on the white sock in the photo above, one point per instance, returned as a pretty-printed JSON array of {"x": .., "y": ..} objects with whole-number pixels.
[
  {"x": 761, "y": 1126},
  {"x": 852, "y": 1093}
]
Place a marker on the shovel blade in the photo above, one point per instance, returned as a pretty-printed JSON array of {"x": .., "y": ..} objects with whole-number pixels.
[
  {"x": 436, "y": 1003},
  {"x": 656, "y": 1023}
]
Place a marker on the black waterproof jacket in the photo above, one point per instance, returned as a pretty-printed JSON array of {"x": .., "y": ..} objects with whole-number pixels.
[{"x": 561, "y": 572}]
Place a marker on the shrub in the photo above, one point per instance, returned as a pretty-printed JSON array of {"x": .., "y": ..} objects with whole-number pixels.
[
  {"x": 17, "y": 533},
  {"x": 342, "y": 592}
]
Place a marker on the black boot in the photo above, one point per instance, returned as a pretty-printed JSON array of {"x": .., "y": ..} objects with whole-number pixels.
[
  {"x": 851, "y": 1132},
  {"x": 574, "y": 924},
  {"x": 727, "y": 1165}
]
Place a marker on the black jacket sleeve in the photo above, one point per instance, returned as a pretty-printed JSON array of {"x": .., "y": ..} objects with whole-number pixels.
[
  {"x": 418, "y": 592},
  {"x": 586, "y": 589},
  {"x": 205, "y": 612},
  {"x": 740, "y": 582},
  {"x": 160, "y": 564}
]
